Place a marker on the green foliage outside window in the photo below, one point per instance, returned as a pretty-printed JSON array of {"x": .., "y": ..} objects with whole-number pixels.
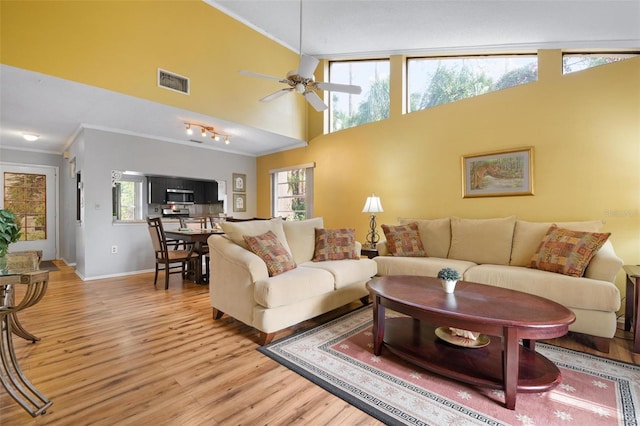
[
  {"x": 574, "y": 62},
  {"x": 26, "y": 196},
  {"x": 437, "y": 81},
  {"x": 371, "y": 105}
]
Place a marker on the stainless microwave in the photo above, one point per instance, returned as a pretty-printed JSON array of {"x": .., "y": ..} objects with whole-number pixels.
[{"x": 180, "y": 196}]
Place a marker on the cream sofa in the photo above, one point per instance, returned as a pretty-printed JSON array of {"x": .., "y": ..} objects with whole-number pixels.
[
  {"x": 241, "y": 286},
  {"x": 497, "y": 251}
]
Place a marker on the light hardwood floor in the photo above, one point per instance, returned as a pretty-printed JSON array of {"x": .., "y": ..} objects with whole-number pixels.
[{"x": 119, "y": 351}]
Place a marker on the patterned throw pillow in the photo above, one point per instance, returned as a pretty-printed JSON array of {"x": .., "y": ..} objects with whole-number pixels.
[
  {"x": 404, "y": 240},
  {"x": 567, "y": 252},
  {"x": 271, "y": 251},
  {"x": 335, "y": 244}
]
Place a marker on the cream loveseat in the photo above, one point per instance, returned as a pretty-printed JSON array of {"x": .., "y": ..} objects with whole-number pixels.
[
  {"x": 497, "y": 252},
  {"x": 242, "y": 287}
]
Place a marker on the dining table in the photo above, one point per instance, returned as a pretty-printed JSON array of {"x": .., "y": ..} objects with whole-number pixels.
[
  {"x": 22, "y": 281},
  {"x": 199, "y": 239}
]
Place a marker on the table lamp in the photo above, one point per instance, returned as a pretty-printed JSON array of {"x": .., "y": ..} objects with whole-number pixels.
[{"x": 373, "y": 206}]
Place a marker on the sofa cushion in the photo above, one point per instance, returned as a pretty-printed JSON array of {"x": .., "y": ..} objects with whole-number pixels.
[
  {"x": 335, "y": 244},
  {"x": 527, "y": 237},
  {"x": 271, "y": 251},
  {"x": 236, "y": 231},
  {"x": 434, "y": 233},
  {"x": 583, "y": 293},
  {"x": 296, "y": 285},
  {"x": 404, "y": 240},
  {"x": 346, "y": 272},
  {"x": 482, "y": 240},
  {"x": 301, "y": 237},
  {"x": 423, "y": 266},
  {"x": 567, "y": 252}
]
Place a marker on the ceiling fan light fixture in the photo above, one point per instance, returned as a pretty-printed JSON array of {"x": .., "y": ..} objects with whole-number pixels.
[
  {"x": 203, "y": 133},
  {"x": 300, "y": 88},
  {"x": 189, "y": 129}
]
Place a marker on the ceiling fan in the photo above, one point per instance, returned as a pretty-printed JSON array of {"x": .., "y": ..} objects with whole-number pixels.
[{"x": 302, "y": 81}]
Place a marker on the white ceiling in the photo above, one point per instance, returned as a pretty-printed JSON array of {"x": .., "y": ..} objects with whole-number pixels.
[{"x": 56, "y": 109}]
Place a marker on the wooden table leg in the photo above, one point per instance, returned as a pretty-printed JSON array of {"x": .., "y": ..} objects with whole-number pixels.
[
  {"x": 636, "y": 315},
  {"x": 511, "y": 363},
  {"x": 378, "y": 325},
  {"x": 628, "y": 305},
  {"x": 529, "y": 344}
]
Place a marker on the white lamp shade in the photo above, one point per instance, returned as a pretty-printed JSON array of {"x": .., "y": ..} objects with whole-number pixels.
[{"x": 372, "y": 205}]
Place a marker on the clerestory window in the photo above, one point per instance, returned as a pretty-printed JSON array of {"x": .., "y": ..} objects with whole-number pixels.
[
  {"x": 573, "y": 62},
  {"x": 440, "y": 80},
  {"x": 372, "y": 104}
]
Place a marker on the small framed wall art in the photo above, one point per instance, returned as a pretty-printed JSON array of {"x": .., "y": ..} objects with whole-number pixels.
[
  {"x": 239, "y": 202},
  {"x": 239, "y": 182},
  {"x": 498, "y": 173}
]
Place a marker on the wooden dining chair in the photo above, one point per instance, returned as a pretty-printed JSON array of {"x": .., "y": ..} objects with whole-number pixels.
[
  {"x": 168, "y": 258},
  {"x": 193, "y": 222},
  {"x": 202, "y": 249}
]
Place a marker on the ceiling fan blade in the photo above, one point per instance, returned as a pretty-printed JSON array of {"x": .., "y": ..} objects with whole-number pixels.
[
  {"x": 276, "y": 95},
  {"x": 346, "y": 88},
  {"x": 315, "y": 100},
  {"x": 307, "y": 66},
  {"x": 268, "y": 77}
]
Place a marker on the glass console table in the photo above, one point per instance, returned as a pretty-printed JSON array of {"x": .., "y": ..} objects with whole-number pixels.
[{"x": 21, "y": 273}]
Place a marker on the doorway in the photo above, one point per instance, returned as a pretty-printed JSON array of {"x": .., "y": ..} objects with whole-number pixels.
[{"x": 31, "y": 193}]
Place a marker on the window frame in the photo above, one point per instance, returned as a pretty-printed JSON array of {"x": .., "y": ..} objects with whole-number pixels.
[
  {"x": 308, "y": 195},
  {"x": 139, "y": 196},
  {"x": 329, "y": 124},
  {"x": 624, "y": 54}
]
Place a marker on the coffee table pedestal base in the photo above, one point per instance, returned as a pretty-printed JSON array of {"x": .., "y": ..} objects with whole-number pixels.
[{"x": 416, "y": 342}]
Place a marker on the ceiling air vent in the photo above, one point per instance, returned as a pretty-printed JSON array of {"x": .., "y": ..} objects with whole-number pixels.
[{"x": 173, "y": 81}]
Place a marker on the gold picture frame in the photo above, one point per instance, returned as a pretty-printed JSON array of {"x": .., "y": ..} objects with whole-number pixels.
[
  {"x": 498, "y": 173},
  {"x": 239, "y": 202},
  {"x": 239, "y": 182}
]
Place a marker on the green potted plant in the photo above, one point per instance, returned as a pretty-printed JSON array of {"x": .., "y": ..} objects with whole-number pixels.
[
  {"x": 9, "y": 233},
  {"x": 449, "y": 278}
]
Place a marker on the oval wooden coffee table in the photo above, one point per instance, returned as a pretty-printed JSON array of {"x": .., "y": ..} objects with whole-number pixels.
[{"x": 505, "y": 316}]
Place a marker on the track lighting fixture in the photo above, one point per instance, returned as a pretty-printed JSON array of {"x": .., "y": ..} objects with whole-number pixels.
[{"x": 205, "y": 130}]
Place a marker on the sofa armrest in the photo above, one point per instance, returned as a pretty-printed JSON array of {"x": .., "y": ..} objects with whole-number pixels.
[
  {"x": 605, "y": 265},
  {"x": 234, "y": 270},
  {"x": 231, "y": 255}
]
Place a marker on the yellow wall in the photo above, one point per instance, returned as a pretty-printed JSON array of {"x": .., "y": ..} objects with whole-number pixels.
[
  {"x": 119, "y": 45},
  {"x": 584, "y": 127}
]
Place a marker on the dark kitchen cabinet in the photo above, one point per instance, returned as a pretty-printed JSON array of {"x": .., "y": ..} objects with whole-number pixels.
[
  {"x": 204, "y": 192},
  {"x": 198, "y": 192},
  {"x": 210, "y": 192},
  {"x": 179, "y": 183},
  {"x": 157, "y": 189}
]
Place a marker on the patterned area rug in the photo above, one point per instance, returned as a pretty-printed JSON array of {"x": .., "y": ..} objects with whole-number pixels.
[{"x": 338, "y": 356}]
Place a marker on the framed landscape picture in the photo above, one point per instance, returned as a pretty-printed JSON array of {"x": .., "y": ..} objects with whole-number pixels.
[
  {"x": 498, "y": 173},
  {"x": 239, "y": 182}
]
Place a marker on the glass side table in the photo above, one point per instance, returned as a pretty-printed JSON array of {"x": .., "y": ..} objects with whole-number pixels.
[{"x": 19, "y": 273}]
